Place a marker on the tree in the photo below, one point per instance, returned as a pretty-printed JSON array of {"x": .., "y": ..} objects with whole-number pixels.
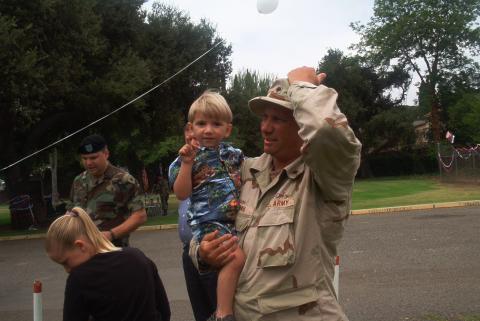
[
  {"x": 45, "y": 47},
  {"x": 431, "y": 38},
  {"x": 246, "y": 85},
  {"x": 364, "y": 95},
  {"x": 170, "y": 41},
  {"x": 465, "y": 118},
  {"x": 68, "y": 63}
]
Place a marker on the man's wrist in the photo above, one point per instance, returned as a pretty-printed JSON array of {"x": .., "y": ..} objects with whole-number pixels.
[
  {"x": 113, "y": 237},
  {"x": 202, "y": 265}
]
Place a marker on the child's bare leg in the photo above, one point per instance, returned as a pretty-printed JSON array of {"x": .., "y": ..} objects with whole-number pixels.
[{"x": 227, "y": 283}]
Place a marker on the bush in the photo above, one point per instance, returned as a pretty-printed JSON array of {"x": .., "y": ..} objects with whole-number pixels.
[{"x": 401, "y": 163}]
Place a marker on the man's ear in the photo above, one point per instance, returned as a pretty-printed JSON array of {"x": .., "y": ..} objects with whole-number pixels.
[
  {"x": 229, "y": 130},
  {"x": 107, "y": 152}
]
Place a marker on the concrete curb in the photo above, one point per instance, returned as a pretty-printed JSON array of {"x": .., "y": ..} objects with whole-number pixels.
[
  {"x": 387, "y": 210},
  {"x": 383, "y": 210}
]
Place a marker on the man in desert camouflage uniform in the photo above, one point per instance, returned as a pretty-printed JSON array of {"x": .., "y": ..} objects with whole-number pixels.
[
  {"x": 294, "y": 201},
  {"x": 110, "y": 195}
]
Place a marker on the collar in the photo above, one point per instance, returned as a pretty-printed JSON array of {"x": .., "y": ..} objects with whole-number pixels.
[
  {"x": 108, "y": 174},
  {"x": 263, "y": 164}
]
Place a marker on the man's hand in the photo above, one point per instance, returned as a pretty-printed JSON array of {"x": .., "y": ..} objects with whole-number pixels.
[
  {"x": 307, "y": 74},
  {"x": 215, "y": 251},
  {"x": 107, "y": 235}
]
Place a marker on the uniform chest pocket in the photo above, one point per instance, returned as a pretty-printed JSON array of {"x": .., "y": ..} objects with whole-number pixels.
[
  {"x": 105, "y": 209},
  {"x": 242, "y": 222},
  {"x": 275, "y": 238}
]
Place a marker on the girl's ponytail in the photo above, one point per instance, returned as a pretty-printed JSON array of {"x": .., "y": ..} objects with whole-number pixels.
[{"x": 74, "y": 224}]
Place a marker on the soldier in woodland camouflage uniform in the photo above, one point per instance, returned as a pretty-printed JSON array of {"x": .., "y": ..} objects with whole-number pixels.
[
  {"x": 110, "y": 195},
  {"x": 163, "y": 190},
  {"x": 294, "y": 201}
]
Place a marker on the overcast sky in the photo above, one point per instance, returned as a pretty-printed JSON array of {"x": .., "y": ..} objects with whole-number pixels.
[{"x": 297, "y": 33}]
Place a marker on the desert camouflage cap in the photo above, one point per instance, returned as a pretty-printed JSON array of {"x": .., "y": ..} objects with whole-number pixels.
[
  {"x": 277, "y": 96},
  {"x": 92, "y": 144}
]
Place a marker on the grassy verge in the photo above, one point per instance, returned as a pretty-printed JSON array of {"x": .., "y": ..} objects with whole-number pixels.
[
  {"x": 387, "y": 192},
  {"x": 369, "y": 193}
]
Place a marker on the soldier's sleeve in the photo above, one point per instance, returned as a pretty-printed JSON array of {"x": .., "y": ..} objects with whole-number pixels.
[
  {"x": 331, "y": 149},
  {"x": 133, "y": 195},
  {"x": 173, "y": 170}
]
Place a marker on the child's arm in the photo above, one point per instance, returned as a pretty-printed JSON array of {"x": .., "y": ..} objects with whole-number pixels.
[{"x": 183, "y": 184}]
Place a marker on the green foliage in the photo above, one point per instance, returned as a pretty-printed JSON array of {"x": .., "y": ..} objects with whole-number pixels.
[
  {"x": 244, "y": 86},
  {"x": 435, "y": 39},
  {"x": 377, "y": 119},
  {"x": 465, "y": 119},
  {"x": 68, "y": 63},
  {"x": 408, "y": 161}
]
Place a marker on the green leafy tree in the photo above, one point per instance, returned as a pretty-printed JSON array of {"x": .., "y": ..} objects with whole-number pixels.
[
  {"x": 465, "y": 119},
  {"x": 47, "y": 44},
  {"x": 364, "y": 95},
  {"x": 246, "y": 85},
  {"x": 68, "y": 63},
  {"x": 170, "y": 41},
  {"x": 434, "y": 39}
]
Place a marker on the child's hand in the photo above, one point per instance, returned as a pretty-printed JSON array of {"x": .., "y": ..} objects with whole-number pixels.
[
  {"x": 187, "y": 153},
  {"x": 191, "y": 140}
]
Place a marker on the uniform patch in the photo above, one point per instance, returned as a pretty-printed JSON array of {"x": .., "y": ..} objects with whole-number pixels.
[
  {"x": 244, "y": 208},
  {"x": 282, "y": 201}
]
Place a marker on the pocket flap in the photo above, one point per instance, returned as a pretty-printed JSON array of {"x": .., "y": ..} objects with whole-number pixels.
[
  {"x": 287, "y": 299},
  {"x": 277, "y": 216},
  {"x": 242, "y": 221}
]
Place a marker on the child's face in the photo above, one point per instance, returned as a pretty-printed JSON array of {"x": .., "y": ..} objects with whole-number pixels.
[
  {"x": 71, "y": 258},
  {"x": 209, "y": 131}
]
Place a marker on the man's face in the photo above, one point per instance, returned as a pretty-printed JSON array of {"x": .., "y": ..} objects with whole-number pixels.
[
  {"x": 95, "y": 163},
  {"x": 280, "y": 134}
]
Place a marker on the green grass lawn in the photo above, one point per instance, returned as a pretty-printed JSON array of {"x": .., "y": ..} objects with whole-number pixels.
[
  {"x": 387, "y": 192},
  {"x": 368, "y": 193}
]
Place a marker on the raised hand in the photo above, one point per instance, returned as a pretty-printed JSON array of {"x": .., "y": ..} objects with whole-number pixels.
[
  {"x": 307, "y": 74},
  {"x": 187, "y": 153}
]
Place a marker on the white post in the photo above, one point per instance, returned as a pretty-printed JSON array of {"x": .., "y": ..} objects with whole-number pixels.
[
  {"x": 37, "y": 301},
  {"x": 336, "y": 276}
]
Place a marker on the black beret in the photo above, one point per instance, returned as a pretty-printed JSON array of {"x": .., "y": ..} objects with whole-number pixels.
[{"x": 92, "y": 144}]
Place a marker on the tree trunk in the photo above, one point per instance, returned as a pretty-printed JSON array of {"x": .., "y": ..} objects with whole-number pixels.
[
  {"x": 53, "y": 169},
  {"x": 435, "y": 120}
]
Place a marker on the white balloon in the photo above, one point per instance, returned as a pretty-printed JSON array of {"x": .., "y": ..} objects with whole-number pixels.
[{"x": 266, "y": 6}]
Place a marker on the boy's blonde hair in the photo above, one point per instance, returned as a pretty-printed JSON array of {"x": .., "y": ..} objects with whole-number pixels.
[
  {"x": 68, "y": 228},
  {"x": 212, "y": 105}
]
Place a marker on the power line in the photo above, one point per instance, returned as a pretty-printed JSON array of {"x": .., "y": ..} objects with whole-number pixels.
[{"x": 112, "y": 112}]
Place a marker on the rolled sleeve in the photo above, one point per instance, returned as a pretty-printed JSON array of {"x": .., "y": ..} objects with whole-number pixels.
[{"x": 331, "y": 149}]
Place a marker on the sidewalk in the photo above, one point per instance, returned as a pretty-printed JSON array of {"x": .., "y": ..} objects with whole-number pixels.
[{"x": 383, "y": 210}]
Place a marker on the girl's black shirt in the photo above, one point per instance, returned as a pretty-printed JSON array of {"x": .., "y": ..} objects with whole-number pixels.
[{"x": 115, "y": 286}]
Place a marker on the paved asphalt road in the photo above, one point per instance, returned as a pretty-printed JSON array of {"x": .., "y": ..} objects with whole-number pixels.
[{"x": 402, "y": 266}]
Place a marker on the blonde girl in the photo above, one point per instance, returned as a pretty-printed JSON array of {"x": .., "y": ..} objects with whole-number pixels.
[{"x": 105, "y": 282}]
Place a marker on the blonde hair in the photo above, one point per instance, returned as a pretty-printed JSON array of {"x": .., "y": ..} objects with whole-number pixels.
[
  {"x": 68, "y": 228},
  {"x": 212, "y": 105}
]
